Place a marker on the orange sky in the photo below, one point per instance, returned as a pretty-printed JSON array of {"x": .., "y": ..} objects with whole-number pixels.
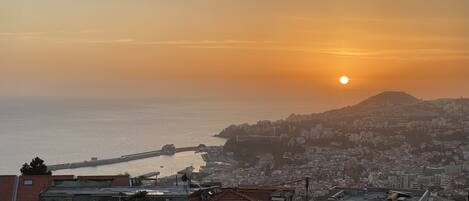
[{"x": 285, "y": 50}]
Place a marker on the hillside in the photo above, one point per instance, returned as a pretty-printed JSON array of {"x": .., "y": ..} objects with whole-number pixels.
[{"x": 386, "y": 109}]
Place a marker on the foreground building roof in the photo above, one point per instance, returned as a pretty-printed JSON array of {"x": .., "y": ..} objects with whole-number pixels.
[
  {"x": 376, "y": 194},
  {"x": 244, "y": 193},
  {"x": 28, "y": 187}
]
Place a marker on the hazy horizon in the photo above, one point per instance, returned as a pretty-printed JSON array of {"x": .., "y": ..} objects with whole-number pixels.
[
  {"x": 311, "y": 106},
  {"x": 234, "y": 50}
]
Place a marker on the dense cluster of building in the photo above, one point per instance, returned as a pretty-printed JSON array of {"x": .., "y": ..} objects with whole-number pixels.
[
  {"x": 378, "y": 143},
  {"x": 440, "y": 165}
]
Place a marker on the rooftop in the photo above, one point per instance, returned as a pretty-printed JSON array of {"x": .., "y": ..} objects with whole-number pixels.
[
  {"x": 375, "y": 194},
  {"x": 244, "y": 192},
  {"x": 159, "y": 191}
]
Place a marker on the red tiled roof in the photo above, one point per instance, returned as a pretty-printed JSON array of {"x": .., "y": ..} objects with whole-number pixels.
[
  {"x": 260, "y": 192},
  {"x": 264, "y": 196},
  {"x": 231, "y": 195},
  {"x": 267, "y": 188}
]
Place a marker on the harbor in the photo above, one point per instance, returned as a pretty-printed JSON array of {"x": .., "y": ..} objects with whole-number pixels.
[{"x": 168, "y": 149}]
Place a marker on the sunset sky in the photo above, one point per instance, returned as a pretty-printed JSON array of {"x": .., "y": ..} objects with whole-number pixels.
[{"x": 236, "y": 49}]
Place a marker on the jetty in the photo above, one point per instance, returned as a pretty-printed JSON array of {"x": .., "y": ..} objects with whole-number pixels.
[{"x": 168, "y": 149}]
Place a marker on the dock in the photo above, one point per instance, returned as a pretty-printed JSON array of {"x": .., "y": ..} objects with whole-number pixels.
[{"x": 168, "y": 149}]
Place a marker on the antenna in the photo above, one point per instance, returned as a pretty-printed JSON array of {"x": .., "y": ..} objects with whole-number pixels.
[{"x": 307, "y": 188}]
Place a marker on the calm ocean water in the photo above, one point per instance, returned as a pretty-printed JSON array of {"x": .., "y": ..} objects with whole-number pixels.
[{"x": 66, "y": 130}]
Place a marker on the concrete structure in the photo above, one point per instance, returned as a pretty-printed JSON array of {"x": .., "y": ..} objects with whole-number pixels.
[{"x": 166, "y": 150}]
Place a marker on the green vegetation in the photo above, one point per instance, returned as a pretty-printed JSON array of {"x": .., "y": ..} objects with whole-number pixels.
[{"x": 35, "y": 167}]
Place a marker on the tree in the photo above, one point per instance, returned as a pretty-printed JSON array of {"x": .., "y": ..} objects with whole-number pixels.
[{"x": 36, "y": 167}]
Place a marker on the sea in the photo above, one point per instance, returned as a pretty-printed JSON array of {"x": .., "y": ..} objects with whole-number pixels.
[{"x": 62, "y": 130}]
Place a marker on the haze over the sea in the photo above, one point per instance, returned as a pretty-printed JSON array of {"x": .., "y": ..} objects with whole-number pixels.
[{"x": 63, "y": 130}]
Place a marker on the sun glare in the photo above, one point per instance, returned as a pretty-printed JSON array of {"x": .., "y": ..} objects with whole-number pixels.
[{"x": 344, "y": 80}]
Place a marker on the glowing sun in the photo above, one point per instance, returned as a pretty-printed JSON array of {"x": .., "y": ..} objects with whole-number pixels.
[{"x": 344, "y": 80}]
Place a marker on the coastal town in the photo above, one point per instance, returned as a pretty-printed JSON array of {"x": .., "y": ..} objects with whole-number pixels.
[
  {"x": 391, "y": 146},
  {"x": 412, "y": 148}
]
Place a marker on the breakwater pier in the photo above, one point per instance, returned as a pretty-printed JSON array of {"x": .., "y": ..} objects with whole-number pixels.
[{"x": 168, "y": 149}]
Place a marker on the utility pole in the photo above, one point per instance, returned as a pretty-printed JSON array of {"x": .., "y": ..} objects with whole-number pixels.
[{"x": 307, "y": 189}]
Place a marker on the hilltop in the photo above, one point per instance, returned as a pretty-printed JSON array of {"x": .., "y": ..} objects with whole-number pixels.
[
  {"x": 390, "y": 98},
  {"x": 389, "y": 107}
]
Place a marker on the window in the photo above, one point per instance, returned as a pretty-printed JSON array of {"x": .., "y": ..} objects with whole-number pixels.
[{"x": 28, "y": 182}]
